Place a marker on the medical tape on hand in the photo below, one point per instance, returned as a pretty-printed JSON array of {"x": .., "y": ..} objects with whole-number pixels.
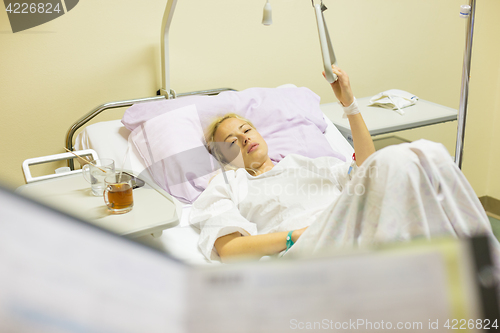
[{"x": 351, "y": 109}]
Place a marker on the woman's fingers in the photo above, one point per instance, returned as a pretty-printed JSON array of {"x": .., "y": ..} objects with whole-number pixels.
[
  {"x": 340, "y": 73},
  {"x": 341, "y": 87},
  {"x": 337, "y": 71}
]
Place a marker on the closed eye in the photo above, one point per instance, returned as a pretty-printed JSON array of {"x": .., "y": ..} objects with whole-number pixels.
[{"x": 247, "y": 130}]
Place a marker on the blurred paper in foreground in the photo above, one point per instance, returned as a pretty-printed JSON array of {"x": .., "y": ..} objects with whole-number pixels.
[{"x": 59, "y": 274}]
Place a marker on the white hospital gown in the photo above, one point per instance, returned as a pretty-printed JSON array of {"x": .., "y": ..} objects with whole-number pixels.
[
  {"x": 401, "y": 193},
  {"x": 289, "y": 196}
]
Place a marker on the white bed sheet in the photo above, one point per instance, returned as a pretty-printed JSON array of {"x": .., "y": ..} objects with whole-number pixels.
[{"x": 110, "y": 140}]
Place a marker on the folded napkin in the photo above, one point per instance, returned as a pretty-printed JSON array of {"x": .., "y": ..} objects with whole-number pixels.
[{"x": 394, "y": 99}]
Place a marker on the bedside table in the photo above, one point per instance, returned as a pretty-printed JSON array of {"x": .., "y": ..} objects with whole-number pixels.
[
  {"x": 154, "y": 209},
  {"x": 382, "y": 121}
]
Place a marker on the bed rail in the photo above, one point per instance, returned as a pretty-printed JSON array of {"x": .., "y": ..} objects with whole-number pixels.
[{"x": 119, "y": 104}]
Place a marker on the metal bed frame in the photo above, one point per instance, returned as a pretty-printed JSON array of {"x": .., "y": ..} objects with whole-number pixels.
[{"x": 126, "y": 103}]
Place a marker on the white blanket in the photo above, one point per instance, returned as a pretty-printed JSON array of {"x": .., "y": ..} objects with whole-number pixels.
[{"x": 401, "y": 193}]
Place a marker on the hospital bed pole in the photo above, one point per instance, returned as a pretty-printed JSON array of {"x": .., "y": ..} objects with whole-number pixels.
[
  {"x": 165, "y": 28},
  {"x": 464, "y": 94}
]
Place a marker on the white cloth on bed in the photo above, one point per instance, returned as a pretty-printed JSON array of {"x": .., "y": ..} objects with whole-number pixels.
[
  {"x": 289, "y": 196},
  {"x": 401, "y": 192},
  {"x": 418, "y": 192}
]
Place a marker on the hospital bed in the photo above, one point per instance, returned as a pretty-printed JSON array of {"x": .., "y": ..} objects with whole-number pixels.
[
  {"x": 110, "y": 139},
  {"x": 203, "y": 288}
]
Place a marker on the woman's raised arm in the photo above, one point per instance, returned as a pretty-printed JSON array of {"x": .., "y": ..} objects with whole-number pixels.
[{"x": 363, "y": 143}]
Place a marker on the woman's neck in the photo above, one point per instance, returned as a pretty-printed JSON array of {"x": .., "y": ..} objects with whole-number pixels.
[{"x": 264, "y": 167}]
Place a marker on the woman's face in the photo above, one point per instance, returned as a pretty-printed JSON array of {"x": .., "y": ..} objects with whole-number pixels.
[{"x": 236, "y": 134}]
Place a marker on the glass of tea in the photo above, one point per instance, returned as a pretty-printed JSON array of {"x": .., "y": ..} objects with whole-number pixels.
[{"x": 118, "y": 193}]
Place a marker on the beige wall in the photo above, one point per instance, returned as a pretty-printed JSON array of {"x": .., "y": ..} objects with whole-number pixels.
[
  {"x": 481, "y": 153},
  {"x": 109, "y": 50},
  {"x": 491, "y": 27}
]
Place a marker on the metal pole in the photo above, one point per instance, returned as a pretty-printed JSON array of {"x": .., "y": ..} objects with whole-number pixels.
[
  {"x": 165, "y": 29},
  {"x": 464, "y": 94}
]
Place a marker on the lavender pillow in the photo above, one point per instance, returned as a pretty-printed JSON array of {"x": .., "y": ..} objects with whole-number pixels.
[{"x": 169, "y": 134}]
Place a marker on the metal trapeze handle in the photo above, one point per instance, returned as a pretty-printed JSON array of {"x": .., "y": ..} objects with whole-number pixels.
[{"x": 325, "y": 42}]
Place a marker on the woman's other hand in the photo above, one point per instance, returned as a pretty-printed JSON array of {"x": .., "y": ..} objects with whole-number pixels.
[{"x": 342, "y": 87}]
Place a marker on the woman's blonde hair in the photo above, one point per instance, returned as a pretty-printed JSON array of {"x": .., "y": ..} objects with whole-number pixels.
[{"x": 213, "y": 148}]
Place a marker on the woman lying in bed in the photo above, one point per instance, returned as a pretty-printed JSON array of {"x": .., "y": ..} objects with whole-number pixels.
[{"x": 304, "y": 205}]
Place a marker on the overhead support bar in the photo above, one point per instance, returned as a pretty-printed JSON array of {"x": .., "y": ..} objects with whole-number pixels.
[
  {"x": 165, "y": 89},
  {"x": 464, "y": 94}
]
